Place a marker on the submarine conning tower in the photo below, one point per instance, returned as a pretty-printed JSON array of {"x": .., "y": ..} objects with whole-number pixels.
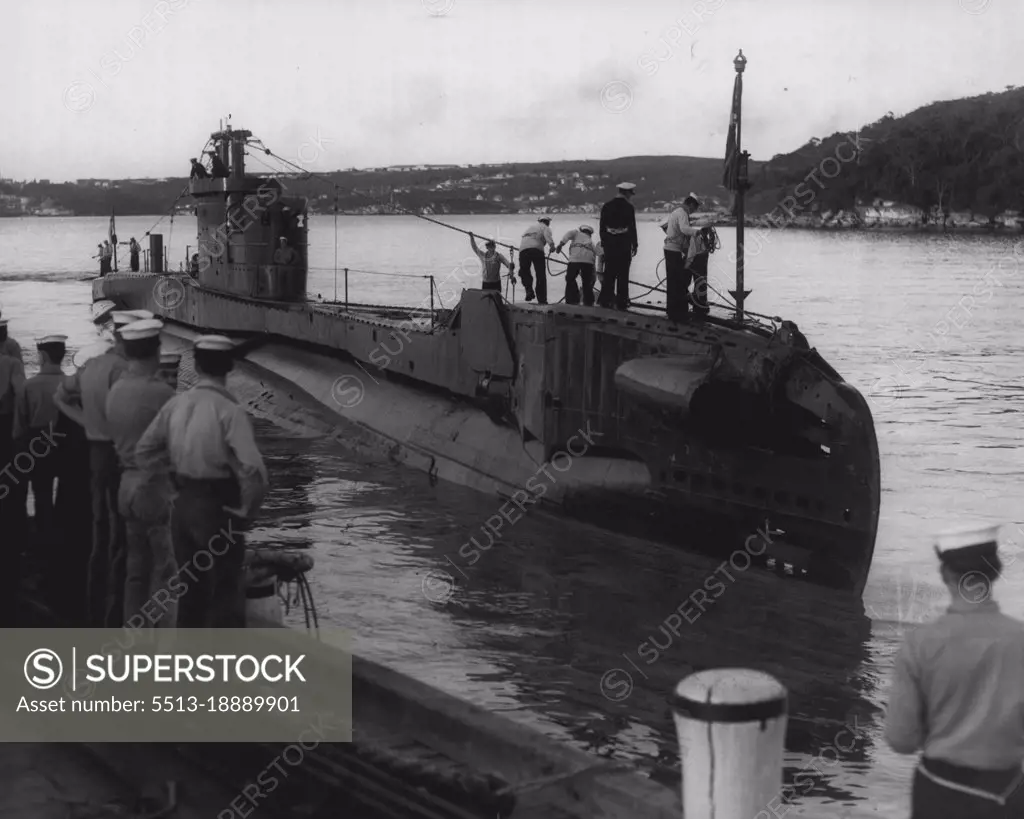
[{"x": 241, "y": 221}]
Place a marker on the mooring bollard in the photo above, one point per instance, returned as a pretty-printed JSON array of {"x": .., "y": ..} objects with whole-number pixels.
[{"x": 731, "y": 724}]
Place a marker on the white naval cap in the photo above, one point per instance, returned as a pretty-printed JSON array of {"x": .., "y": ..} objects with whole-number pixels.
[
  {"x": 967, "y": 536},
  {"x": 694, "y": 197},
  {"x": 141, "y": 315},
  {"x": 94, "y": 350},
  {"x": 51, "y": 340},
  {"x": 543, "y": 218},
  {"x": 625, "y": 186},
  {"x": 144, "y": 328},
  {"x": 122, "y": 317},
  {"x": 586, "y": 228},
  {"x": 218, "y": 343},
  {"x": 170, "y": 358}
]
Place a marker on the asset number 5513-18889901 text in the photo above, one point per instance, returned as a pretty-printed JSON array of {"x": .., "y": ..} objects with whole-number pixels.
[{"x": 191, "y": 705}]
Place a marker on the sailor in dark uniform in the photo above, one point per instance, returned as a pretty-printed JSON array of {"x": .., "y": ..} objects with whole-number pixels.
[
  {"x": 133, "y": 255},
  {"x": 958, "y": 693},
  {"x": 207, "y": 442},
  {"x": 83, "y": 398},
  {"x": 217, "y": 167},
  {"x": 619, "y": 241},
  {"x": 35, "y": 417},
  {"x": 198, "y": 171}
]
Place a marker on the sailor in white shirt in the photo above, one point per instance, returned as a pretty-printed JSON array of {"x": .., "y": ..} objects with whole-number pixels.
[
  {"x": 581, "y": 263},
  {"x": 205, "y": 439},
  {"x": 958, "y": 692},
  {"x": 679, "y": 235},
  {"x": 531, "y": 252}
]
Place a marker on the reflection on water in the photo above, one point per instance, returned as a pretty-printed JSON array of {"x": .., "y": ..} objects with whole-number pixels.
[{"x": 585, "y": 634}]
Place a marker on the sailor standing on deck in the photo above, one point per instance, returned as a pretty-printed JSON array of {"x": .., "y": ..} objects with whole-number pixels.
[
  {"x": 206, "y": 441},
  {"x": 581, "y": 263},
  {"x": 531, "y": 252},
  {"x": 144, "y": 499},
  {"x": 88, "y": 389},
  {"x": 679, "y": 239},
  {"x": 619, "y": 240},
  {"x": 133, "y": 254},
  {"x": 958, "y": 693},
  {"x": 35, "y": 417},
  {"x": 492, "y": 261}
]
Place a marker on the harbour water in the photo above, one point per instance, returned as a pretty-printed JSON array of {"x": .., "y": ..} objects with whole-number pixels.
[{"x": 574, "y": 630}]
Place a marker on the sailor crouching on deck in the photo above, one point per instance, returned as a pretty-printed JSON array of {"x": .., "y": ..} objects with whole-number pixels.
[
  {"x": 144, "y": 498},
  {"x": 619, "y": 240},
  {"x": 958, "y": 693},
  {"x": 491, "y": 260},
  {"x": 531, "y": 252},
  {"x": 581, "y": 263},
  {"x": 206, "y": 440}
]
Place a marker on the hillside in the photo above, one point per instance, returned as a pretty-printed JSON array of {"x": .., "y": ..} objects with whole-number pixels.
[
  {"x": 958, "y": 155},
  {"x": 949, "y": 158},
  {"x": 571, "y": 185}
]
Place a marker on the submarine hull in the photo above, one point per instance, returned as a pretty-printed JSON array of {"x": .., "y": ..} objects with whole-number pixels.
[{"x": 623, "y": 420}]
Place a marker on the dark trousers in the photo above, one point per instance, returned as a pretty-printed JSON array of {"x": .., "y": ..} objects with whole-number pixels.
[
  {"x": 11, "y": 533},
  {"x": 106, "y": 561},
  {"x": 491, "y": 286},
  {"x": 534, "y": 257},
  {"x": 615, "y": 286},
  {"x": 104, "y": 266},
  {"x": 699, "y": 297},
  {"x": 72, "y": 541},
  {"x": 572, "y": 292},
  {"x": 677, "y": 285},
  {"x": 210, "y": 549},
  {"x": 932, "y": 800},
  {"x": 134, "y": 261}
]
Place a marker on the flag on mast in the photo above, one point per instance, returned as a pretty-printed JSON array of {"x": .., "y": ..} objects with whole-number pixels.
[{"x": 730, "y": 177}]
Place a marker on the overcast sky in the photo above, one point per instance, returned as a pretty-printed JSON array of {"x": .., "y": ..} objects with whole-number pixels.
[{"x": 130, "y": 88}]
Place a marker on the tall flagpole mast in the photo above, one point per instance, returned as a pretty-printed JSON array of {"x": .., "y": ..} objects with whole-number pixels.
[{"x": 739, "y": 294}]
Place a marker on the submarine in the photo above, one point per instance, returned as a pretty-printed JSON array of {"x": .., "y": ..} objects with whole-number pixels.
[{"x": 722, "y": 436}]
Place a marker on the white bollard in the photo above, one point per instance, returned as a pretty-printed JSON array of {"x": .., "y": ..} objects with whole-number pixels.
[{"x": 731, "y": 724}]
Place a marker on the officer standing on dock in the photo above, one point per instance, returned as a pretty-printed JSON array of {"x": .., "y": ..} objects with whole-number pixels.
[
  {"x": 35, "y": 416},
  {"x": 619, "y": 240},
  {"x": 679, "y": 237},
  {"x": 581, "y": 263},
  {"x": 535, "y": 239},
  {"x": 8, "y": 346},
  {"x": 206, "y": 440},
  {"x": 83, "y": 397},
  {"x": 958, "y": 692},
  {"x": 12, "y": 379},
  {"x": 12, "y": 376},
  {"x": 144, "y": 499}
]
